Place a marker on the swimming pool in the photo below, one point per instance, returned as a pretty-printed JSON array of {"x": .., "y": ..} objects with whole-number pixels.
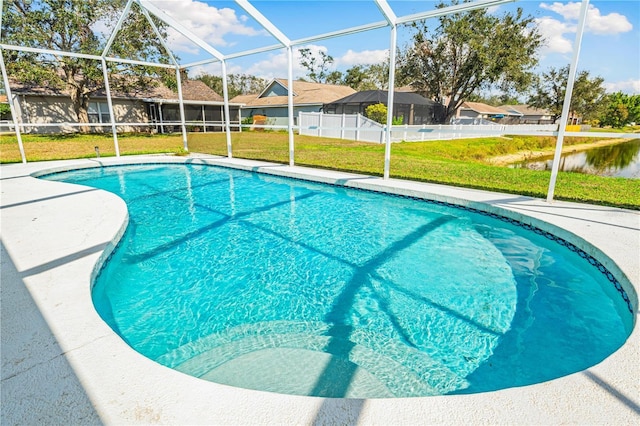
[{"x": 334, "y": 292}]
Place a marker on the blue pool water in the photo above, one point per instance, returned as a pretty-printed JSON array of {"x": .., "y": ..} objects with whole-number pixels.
[{"x": 302, "y": 288}]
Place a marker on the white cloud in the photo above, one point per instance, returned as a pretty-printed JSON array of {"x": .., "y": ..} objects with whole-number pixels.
[
  {"x": 276, "y": 64},
  {"x": 207, "y": 22},
  {"x": 568, "y": 10},
  {"x": 596, "y": 23},
  {"x": 559, "y": 34},
  {"x": 553, "y": 32},
  {"x": 365, "y": 57},
  {"x": 213, "y": 68},
  {"x": 631, "y": 87},
  {"x": 612, "y": 23}
]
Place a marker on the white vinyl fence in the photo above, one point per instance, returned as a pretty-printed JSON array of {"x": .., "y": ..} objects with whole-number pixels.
[
  {"x": 342, "y": 126},
  {"x": 359, "y": 128}
]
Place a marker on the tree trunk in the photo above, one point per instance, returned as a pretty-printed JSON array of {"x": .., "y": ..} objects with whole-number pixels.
[
  {"x": 80, "y": 103},
  {"x": 450, "y": 110},
  {"x": 79, "y": 99}
]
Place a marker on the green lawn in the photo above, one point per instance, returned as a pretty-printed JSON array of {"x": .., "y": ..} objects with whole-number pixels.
[{"x": 457, "y": 162}]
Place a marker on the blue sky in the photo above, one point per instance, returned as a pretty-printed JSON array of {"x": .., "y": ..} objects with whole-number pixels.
[{"x": 610, "y": 48}]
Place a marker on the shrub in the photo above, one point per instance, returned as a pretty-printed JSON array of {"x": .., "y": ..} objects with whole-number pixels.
[
  {"x": 377, "y": 112},
  {"x": 398, "y": 121}
]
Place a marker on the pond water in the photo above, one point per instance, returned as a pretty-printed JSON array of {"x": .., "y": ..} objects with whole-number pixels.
[{"x": 620, "y": 160}]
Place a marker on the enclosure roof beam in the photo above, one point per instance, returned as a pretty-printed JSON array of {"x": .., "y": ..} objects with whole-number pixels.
[
  {"x": 462, "y": 7},
  {"x": 180, "y": 28},
  {"x": 387, "y": 11},
  {"x": 347, "y": 31},
  {"x": 202, "y": 62},
  {"x": 254, "y": 51},
  {"x": 116, "y": 29},
  {"x": 136, "y": 62},
  {"x": 157, "y": 32},
  {"x": 50, "y": 52},
  {"x": 262, "y": 20},
  {"x": 235, "y": 55},
  {"x": 82, "y": 55}
]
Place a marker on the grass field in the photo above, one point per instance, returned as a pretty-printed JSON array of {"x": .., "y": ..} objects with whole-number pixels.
[{"x": 462, "y": 162}]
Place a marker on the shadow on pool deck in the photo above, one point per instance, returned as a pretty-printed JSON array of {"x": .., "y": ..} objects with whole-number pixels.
[
  {"x": 35, "y": 371},
  {"x": 613, "y": 391}
]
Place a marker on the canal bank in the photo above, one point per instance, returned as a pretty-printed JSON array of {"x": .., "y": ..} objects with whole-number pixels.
[{"x": 522, "y": 156}]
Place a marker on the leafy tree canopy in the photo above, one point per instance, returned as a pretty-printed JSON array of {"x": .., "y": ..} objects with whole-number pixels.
[
  {"x": 71, "y": 25},
  {"x": 495, "y": 99},
  {"x": 468, "y": 52},
  {"x": 237, "y": 84},
  {"x": 317, "y": 67},
  {"x": 358, "y": 77},
  {"x": 549, "y": 90},
  {"x": 620, "y": 109},
  {"x": 367, "y": 77}
]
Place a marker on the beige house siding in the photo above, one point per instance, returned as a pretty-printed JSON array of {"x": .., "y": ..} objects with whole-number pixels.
[
  {"x": 129, "y": 111},
  {"x": 134, "y": 112},
  {"x": 57, "y": 109},
  {"x": 46, "y": 110}
]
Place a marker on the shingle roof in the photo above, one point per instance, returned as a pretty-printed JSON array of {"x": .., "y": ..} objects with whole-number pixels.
[
  {"x": 304, "y": 93},
  {"x": 525, "y": 109},
  {"x": 244, "y": 99},
  {"x": 192, "y": 90},
  {"x": 481, "y": 108},
  {"x": 381, "y": 96},
  {"x": 196, "y": 90}
]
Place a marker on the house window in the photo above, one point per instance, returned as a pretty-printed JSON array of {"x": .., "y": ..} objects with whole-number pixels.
[{"x": 98, "y": 112}]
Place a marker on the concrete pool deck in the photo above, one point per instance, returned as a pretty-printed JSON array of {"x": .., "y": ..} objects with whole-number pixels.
[{"x": 61, "y": 364}]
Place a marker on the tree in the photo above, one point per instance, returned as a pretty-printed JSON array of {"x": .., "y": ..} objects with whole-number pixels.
[
  {"x": 620, "y": 109},
  {"x": 334, "y": 77},
  {"x": 616, "y": 115},
  {"x": 237, "y": 84},
  {"x": 495, "y": 100},
  {"x": 378, "y": 75},
  {"x": 549, "y": 90},
  {"x": 317, "y": 68},
  {"x": 368, "y": 77},
  {"x": 588, "y": 96},
  {"x": 468, "y": 52},
  {"x": 362, "y": 77},
  {"x": 69, "y": 25}
]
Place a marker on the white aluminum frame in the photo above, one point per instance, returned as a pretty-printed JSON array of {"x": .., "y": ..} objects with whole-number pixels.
[
  {"x": 391, "y": 20},
  {"x": 564, "y": 117}
]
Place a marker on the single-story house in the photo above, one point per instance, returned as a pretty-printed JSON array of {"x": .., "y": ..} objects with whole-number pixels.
[
  {"x": 529, "y": 115},
  {"x": 411, "y": 107},
  {"x": 273, "y": 101},
  {"x": 480, "y": 111},
  {"x": 154, "y": 109}
]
